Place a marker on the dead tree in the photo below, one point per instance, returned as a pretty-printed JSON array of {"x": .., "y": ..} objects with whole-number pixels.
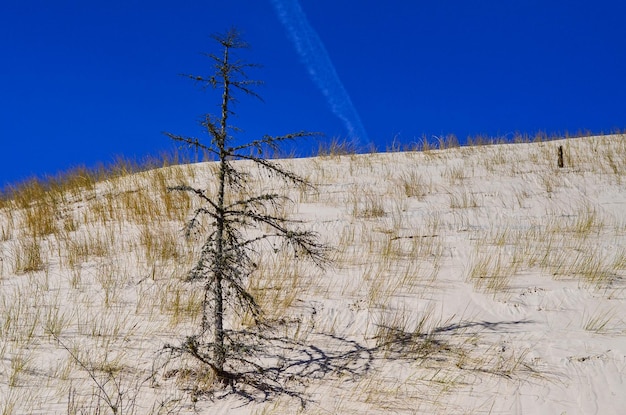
[{"x": 226, "y": 260}]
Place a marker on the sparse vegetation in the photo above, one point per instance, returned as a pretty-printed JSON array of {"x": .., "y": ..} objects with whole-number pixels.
[{"x": 479, "y": 258}]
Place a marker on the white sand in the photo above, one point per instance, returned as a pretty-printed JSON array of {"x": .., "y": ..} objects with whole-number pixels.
[{"x": 501, "y": 275}]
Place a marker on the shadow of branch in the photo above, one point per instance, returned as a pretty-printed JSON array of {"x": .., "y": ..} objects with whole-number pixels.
[{"x": 263, "y": 365}]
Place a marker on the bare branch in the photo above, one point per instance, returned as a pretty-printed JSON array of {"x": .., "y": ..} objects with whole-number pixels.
[
  {"x": 238, "y": 224},
  {"x": 190, "y": 141},
  {"x": 273, "y": 142},
  {"x": 276, "y": 169}
]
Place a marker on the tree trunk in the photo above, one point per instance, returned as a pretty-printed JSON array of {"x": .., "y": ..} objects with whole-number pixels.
[
  {"x": 220, "y": 260},
  {"x": 218, "y": 274}
]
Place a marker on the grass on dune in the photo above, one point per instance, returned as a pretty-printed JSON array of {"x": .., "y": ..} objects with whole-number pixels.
[{"x": 93, "y": 263}]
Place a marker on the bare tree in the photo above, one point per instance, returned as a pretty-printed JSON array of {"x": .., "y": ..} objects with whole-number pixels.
[{"x": 226, "y": 260}]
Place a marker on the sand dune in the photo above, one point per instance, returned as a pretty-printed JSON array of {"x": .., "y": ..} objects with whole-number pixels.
[{"x": 471, "y": 280}]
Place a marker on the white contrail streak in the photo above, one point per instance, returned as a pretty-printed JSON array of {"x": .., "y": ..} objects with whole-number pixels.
[{"x": 315, "y": 57}]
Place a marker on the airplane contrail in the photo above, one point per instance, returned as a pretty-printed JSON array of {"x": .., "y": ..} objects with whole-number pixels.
[{"x": 317, "y": 61}]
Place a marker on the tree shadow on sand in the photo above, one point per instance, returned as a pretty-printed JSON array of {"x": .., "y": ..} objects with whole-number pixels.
[
  {"x": 264, "y": 364},
  {"x": 456, "y": 345}
]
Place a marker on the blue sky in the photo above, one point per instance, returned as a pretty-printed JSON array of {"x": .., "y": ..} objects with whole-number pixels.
[{"x": 84, "y": 81}]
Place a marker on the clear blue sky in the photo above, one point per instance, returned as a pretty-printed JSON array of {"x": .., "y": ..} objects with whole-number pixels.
[{"x": 83, "y": 81}]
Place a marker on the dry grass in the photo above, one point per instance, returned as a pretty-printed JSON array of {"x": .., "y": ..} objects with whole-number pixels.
[
  {"x": 603, "y": 322},
  {"x": 96, "y": 260},
  {"x": 28, "y": 257},
  {"x": 414, "y": 185},
  {"x": 367, "y": 205},
  {"x": 336, "y": 147},
  {"x": 492, "y": 271}
]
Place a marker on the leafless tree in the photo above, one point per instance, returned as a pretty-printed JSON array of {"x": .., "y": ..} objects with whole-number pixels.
[{"x": 227, "y": 257}]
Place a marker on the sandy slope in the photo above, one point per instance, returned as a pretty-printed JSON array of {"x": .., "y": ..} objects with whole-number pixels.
[{"x": 468, "y": 280}]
